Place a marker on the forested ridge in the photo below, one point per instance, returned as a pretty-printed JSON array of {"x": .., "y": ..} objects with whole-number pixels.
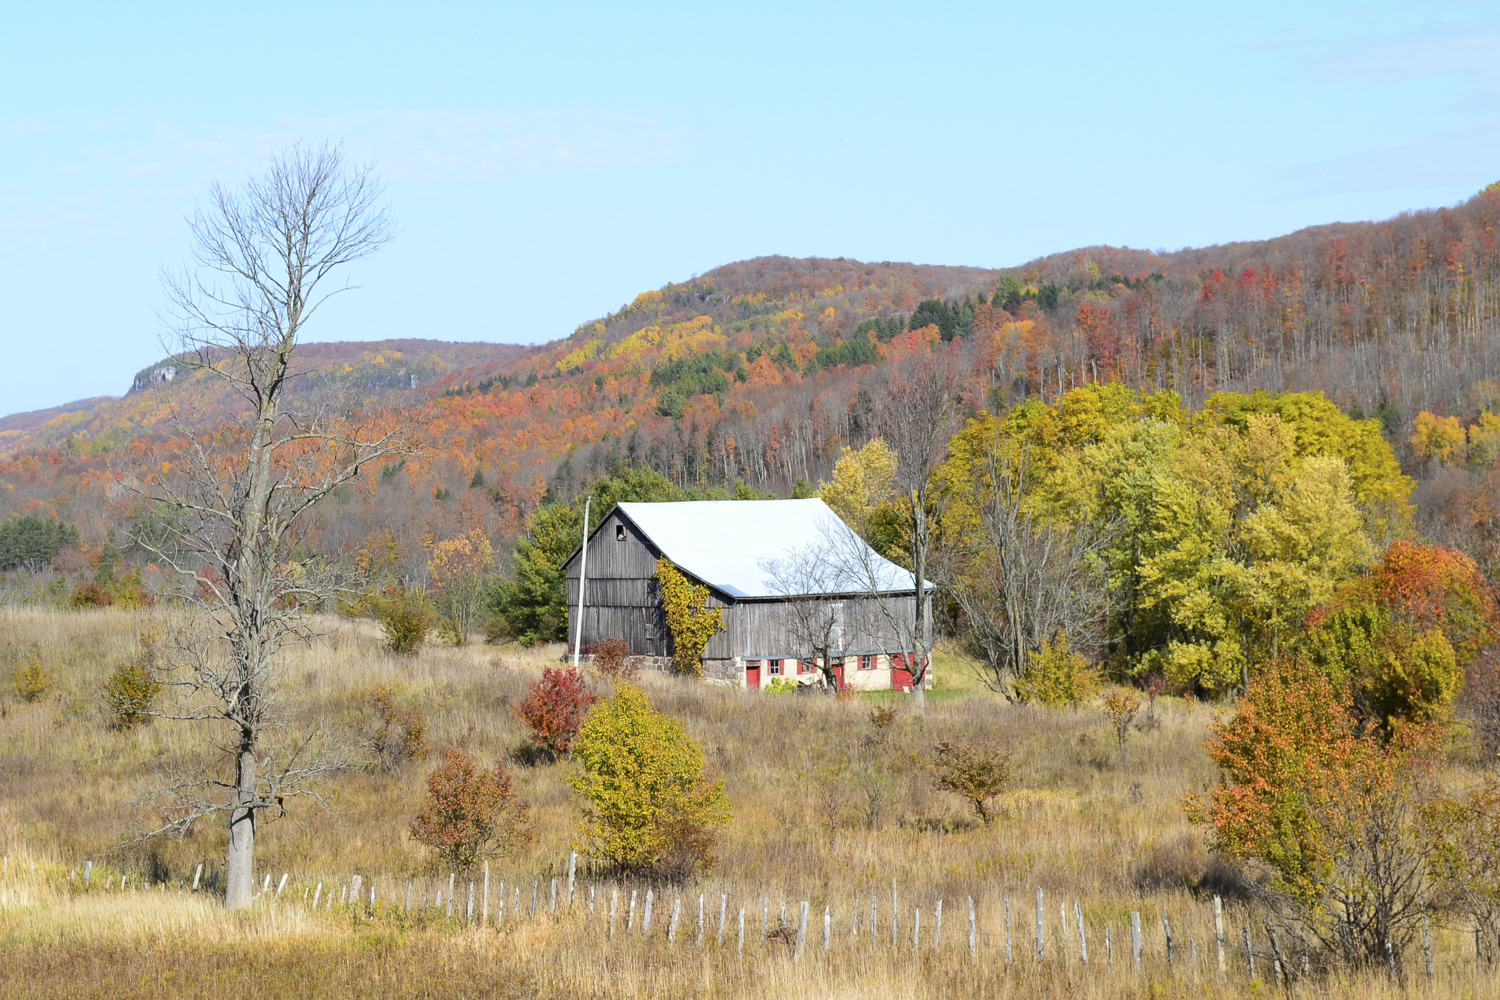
[{"x": 759, "y": 373}]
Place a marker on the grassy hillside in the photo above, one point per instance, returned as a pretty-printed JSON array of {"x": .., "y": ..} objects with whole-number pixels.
[{"x": 827, "y": 808}]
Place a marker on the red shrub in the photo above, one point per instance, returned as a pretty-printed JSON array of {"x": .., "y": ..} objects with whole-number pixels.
[
  {"x": 554, "y": 709},
  {"x": 613, "y": 658},
  {"x": 470, "y": 815}
]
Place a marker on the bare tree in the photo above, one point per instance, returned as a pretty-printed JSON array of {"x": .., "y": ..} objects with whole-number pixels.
[
  {"x": 919, "y": 415},
  {"x": 1020, "y": 580},
  {"x": 233, "y": 502},
  {"x": 839, "y": 591},
  {"x": 810, "y": 581}
]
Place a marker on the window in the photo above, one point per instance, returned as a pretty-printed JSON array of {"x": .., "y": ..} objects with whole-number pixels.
[
  {"x": 619, "y": 532},
  {"x": 775, "y": 667},
  {"x": 867, "y": 662}
]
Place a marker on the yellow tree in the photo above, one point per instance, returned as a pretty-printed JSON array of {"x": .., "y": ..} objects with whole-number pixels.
[{"x": 459, "y": 569}]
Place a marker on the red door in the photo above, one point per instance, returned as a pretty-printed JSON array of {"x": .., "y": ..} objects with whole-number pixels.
[
  {"x": 900, "y": 675},
  {"x": 838, "y": 676},
  {"x": 752, "y": 674}
]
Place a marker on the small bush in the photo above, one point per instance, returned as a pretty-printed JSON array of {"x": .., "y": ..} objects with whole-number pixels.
[
  {"x": 649, "y": 805},
  {"x": 613, "y": 658},
  {"x": 554, "y": 708},
  {"x": 393, "y": 733},
  {"x": 780, "y": 685},
  {"x": 977, "y": 770},
  {"x": 1057, "y": 677},
  {"x": 1120, "y": 707},
  {"x": 132, "y": 688},
  {"x": 406, "y": 619},
  {"x": 470, "y": 815},
  {"x": 33, "y": 680}
]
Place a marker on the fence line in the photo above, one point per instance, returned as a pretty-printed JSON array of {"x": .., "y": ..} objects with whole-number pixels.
[{"x": 986, "y": 941}]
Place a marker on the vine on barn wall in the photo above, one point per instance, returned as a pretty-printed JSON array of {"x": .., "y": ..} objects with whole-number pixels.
[{"x": 690, "y": 620}]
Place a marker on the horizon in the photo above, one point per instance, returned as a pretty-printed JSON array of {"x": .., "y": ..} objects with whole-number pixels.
[{"x": 542, "y": 173}]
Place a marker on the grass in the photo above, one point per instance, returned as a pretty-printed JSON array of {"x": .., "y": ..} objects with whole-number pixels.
[{"x": 826, "y": 809}]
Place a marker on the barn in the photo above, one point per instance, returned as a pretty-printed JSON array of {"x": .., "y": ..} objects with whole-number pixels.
[{"x": 772, "y": 566}]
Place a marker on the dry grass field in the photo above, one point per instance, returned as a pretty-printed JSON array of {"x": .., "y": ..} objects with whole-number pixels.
[{"x": 827, "y": 809}]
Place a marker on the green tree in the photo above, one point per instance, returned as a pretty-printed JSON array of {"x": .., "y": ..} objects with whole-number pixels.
[
  {"x": 531, "y": 604},
  {"x": 32, "y": 542},
  {"x": 649, "y": 805}
]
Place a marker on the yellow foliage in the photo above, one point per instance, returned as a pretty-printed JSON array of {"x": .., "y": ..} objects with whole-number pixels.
[
  {"x": 1484, "y": 440},
  {"x": 863, "y": 481},
  {"x": 689, "y": 619},
  {"x": 1440, "y": 438}
]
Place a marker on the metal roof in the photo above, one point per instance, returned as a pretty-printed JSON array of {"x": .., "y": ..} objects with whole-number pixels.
[{"x": 738, "y": 547}]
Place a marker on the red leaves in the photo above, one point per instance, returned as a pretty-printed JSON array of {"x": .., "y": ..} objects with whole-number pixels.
[
  {"x": 554, "y": 708},
  {"x": 470, "y": 814}
]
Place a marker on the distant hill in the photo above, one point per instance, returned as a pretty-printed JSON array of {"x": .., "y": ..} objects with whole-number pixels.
[{"x": 762, "y": 370}]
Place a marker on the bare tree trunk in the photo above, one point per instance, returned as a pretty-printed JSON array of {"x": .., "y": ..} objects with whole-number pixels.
[
  {"x": 240, "y": 863},
  {"x": 923, "y": 626}
]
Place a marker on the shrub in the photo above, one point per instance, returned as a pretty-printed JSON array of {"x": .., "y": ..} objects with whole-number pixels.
[
  {"x": 1326, "y": 811},
  {"x": 393, "y": 733},
  {"x": 1120, "y": 707},
  {"x": 1393, "y": 671},
  {"x": 470, "y": 815},
  {"x": 781, "y": 685},
  {"x": 1058, "y": 677},
  {"x": 132, "y": 688},
  {"x": 977, "y": 770},
  {"x": 554, "y": 708},
  {"x": 405, "y": 619},
  {"x": 648, "y": 804},
  {"x": 613, "y": 658},
  {"x": 33, "y": 680}
]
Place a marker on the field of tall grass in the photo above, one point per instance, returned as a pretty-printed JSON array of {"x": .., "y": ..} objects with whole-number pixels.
[{"x": 828, "y": 808}]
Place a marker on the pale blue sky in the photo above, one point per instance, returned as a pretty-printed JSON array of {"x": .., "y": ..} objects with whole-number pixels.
[{"x": 546, "y": 162}]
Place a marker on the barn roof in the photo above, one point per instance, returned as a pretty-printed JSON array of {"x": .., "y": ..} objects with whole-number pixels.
[{"x": 731, "y": 546}]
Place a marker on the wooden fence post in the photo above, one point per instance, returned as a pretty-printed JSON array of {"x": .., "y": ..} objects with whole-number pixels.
[
  {"x": 552, "y": 904},
  {"x": 646, "y": 917},
  {"x": 971, "y": 926},
  {"x": 700, "y": 921},
  {"x": 1083, "y": 941},
  {"x": 916, "y": 927},
  {"x": 1062, "y": 936},
  {"x": 1219, "y": 933},
  {"x": 723, "y": 904},
  {"x": 469, "y": 914},
  {"x": 1041, "y": 932},
  {"x": 572, "y": 864},
  {"x": 1167, "y": 926},
  {"x": 1249, "y": 953},
  {"x": 500, "y": 906},
  {"x": 1009, "y": 955},
  {"x": 630, "y": 917},
  {"x": 282, "y": 885},
  {"x": 874, "y": 921},
  {"x": 827, "y": 927},
  {"x": 1109, "y": 949},
  {"x": 1277, "y": 963},
  {"x": 484, "y": 910},
  {"x": 801, "y": 927},
  {"x": 320, "y": 884},
  {"x": 196, "y": 874},
  {"x": 591, "y": 901},
  {"x": 1427, "y": 945},
  {"x": 614, "y": 902},
  {"x": 1135, "y": 939},
  {"x": 937, "y": 927},
  {"x": 672, "y": 924},
  {"x": 740, "y": 947}
]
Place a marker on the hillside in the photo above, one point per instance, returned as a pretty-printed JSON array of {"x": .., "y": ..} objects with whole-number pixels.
[{"x": 762, "y": 370}]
